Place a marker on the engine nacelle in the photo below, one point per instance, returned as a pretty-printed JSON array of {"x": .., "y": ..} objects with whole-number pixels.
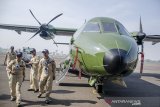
[
  {"x": 140, "y": 38},
  {"x": 46, "y": 35}
]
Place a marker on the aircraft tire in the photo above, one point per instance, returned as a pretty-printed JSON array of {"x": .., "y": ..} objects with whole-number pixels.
[{"x": 98, "y": 87}]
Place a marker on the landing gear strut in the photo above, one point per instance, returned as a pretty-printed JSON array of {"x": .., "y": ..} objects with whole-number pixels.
[{"x": 99, "y": 85}]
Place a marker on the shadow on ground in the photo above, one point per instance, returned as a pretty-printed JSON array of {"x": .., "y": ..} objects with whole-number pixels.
[
  {"x": 136, "y": 87},
  {"x": 4, "y": 97},
  {"x": 75, "y": 84},
  {"x": 64, "y": 102},
  {"x": 62, "y": 91}
]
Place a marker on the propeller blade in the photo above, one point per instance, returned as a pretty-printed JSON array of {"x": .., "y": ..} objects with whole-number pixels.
[
  {"x": 142, "y": 59},
  {"x": 54, "y": 18},
  {"x": 141, "y": 35},
  {"x": 140, "y": 26},
  {"x": 35, "y": 34},
  {"x": 54, "y": 42},
  {"x": 35, "y": 17}
]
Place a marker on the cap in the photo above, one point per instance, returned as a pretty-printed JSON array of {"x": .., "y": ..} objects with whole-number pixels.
[
  {"x": 45, "y": 51},
  {"x": 33, "y": 50},
  {"x": 19, "y": 54},
  {"x": 12, "y": 47}
]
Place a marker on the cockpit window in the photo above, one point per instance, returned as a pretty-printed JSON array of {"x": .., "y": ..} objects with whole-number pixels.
[
  {"x": 109, "y": 27},
  {"x": 121, "y": 29},
  {"x": 92, "y": 27}
]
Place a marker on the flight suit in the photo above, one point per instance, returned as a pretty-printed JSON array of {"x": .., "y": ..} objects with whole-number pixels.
[
  {"x": 10, "y": 56},
  {"x": 34, "y": 73},
  {"x": 16, "y": 78},
  {"x": 47, "y": 69}
]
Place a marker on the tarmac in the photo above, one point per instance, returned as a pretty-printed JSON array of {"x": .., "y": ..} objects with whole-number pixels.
[{"x": 142, "y": 91}]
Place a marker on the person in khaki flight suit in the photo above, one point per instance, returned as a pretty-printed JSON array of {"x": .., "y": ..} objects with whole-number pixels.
[
  {"x": 9, "y": 56},
  {"x": 16, "y": 70},
  {"x": 34, "y": 72},
  {"x": 46, "y": 73}
]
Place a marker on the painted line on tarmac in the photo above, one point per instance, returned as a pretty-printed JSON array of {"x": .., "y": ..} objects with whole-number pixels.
[{"x": 152, "y": 80}]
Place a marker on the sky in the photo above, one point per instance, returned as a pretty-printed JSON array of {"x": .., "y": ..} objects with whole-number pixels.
[{"x": 75, "y": 12}]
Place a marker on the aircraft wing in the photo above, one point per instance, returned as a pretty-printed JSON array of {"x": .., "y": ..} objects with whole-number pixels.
[
  {"x": 64, "y": 31},
  {"x": 34, "y": 29},
  {"x": 152, "y": 38},
  {"x": 19, "y": 28}
]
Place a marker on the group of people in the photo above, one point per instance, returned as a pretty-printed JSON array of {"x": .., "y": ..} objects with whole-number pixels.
[{"x": 42, "y": 74}]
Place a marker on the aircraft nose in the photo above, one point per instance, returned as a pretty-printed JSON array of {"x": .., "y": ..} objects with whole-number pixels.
[{"x": 115, "y": 62}]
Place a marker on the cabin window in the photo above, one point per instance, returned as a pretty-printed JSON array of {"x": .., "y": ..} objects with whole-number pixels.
[
  {"x": 109, "y": 27},
  {"x": 121, "y": 29},
  {"x": 92, "y": 27}
]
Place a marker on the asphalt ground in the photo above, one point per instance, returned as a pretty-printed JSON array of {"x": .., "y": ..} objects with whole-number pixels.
[{"x": 142, "y": 90}]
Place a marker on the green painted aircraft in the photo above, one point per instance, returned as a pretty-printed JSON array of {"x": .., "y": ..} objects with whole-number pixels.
[{"x": 102, "y": 48}]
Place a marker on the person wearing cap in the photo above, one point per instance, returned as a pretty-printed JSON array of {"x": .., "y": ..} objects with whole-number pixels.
[
  {"x": 9, "y": 56},
  {"x": 34, "y": 71},
  {"x": 46, "y": 74},
  {"x": 16, "y": 69}
]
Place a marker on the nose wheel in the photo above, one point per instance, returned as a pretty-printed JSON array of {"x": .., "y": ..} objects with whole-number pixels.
[{"x": 99, "y": 87}]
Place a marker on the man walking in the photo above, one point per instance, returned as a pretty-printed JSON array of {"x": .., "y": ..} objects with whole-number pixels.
[
  {"x": 9, "y": 57},
  {"x": 34, "y": 72},
  {"x": 46, "y": 72},
  {"x": 16, "y": 69}
]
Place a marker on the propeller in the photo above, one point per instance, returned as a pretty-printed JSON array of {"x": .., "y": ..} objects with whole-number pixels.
[
  {"x": 140, "y": 36},
  {"x": 44, "y": 27}
]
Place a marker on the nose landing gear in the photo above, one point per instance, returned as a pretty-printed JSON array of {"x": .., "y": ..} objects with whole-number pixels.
[{"x": 99, "y": 85}]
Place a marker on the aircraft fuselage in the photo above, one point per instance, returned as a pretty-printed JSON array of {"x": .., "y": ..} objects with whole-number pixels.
[{"x": 104, "y": 53}]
